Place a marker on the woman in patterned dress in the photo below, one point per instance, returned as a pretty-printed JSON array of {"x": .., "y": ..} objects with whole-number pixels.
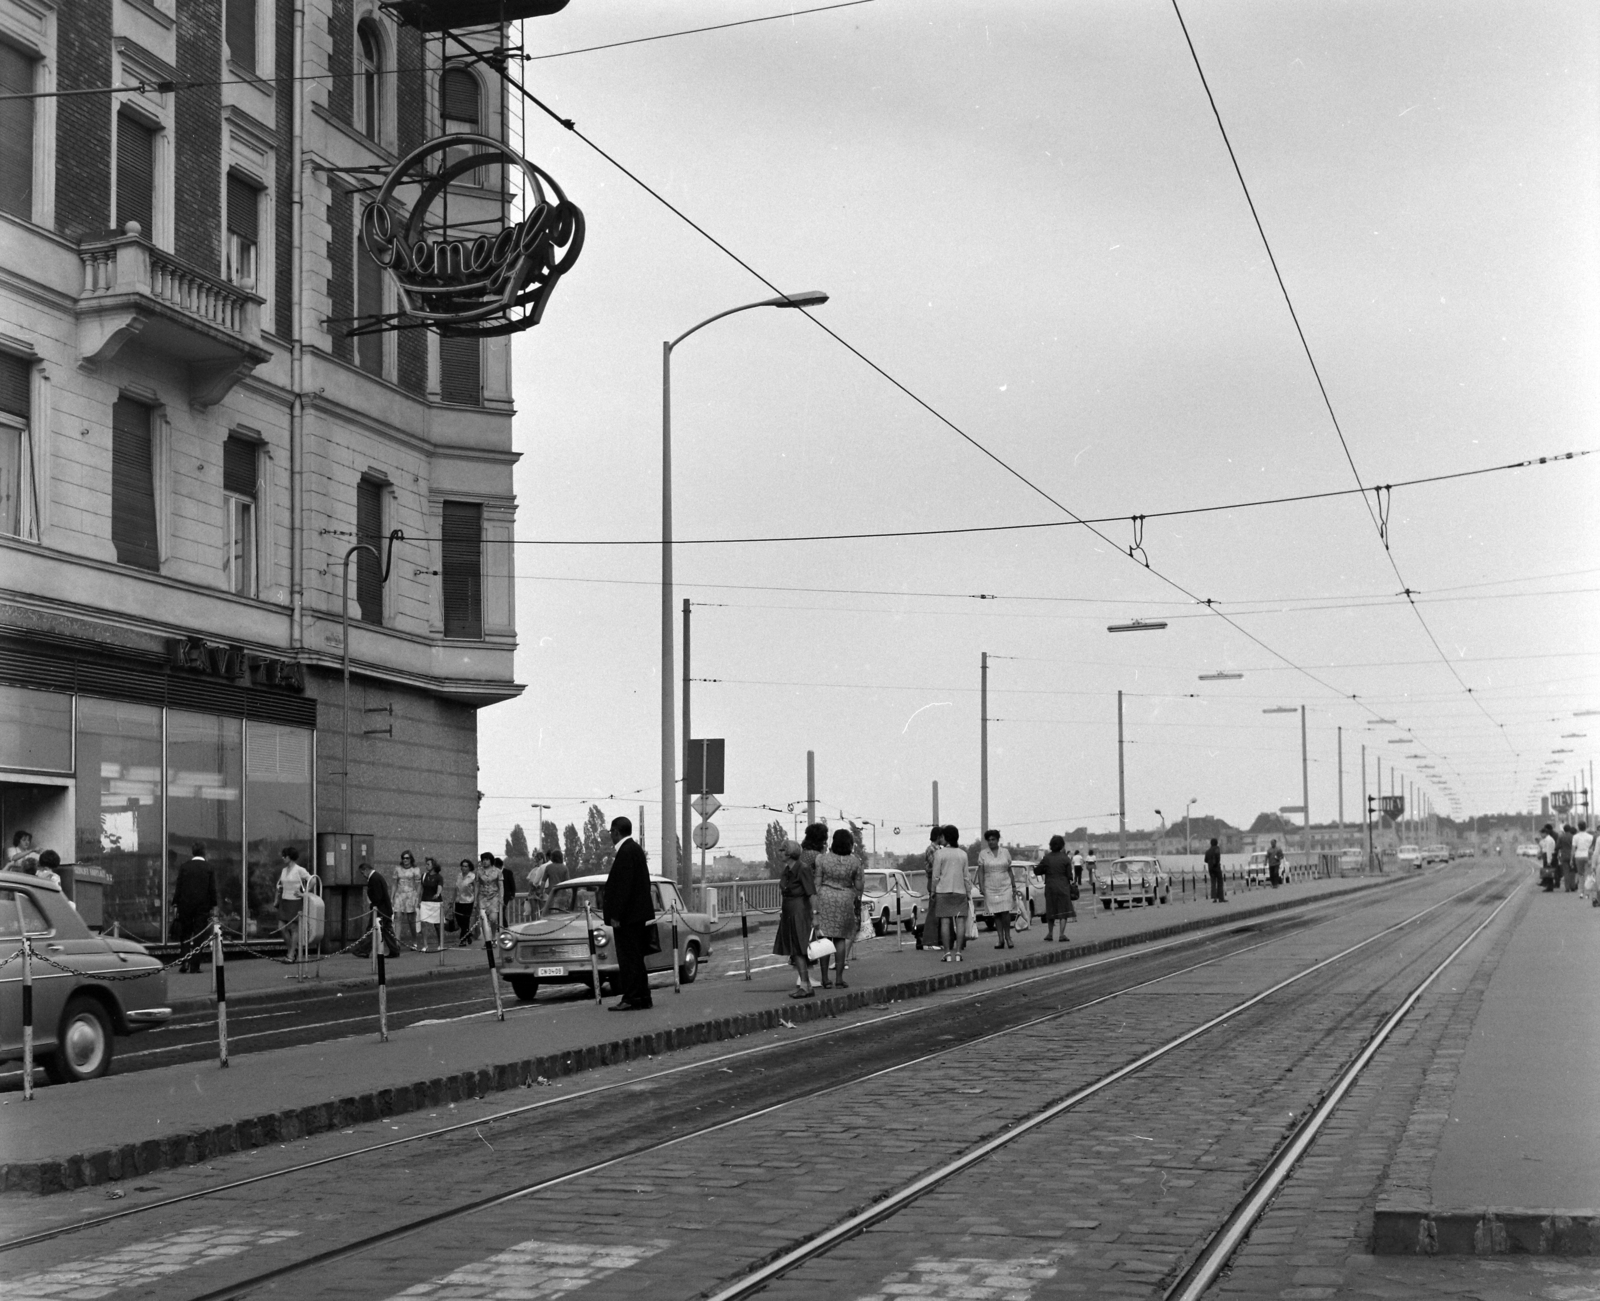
[
  {"x": 407, "y": 894},
  {"x": 840, "y": 881}
]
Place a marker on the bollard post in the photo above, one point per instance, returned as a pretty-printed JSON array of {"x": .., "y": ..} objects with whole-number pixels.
[
  {"x": 27, "y": 1003},
  {"x": 494, "y": 977},
  {"x": 899, "y": 926},
  {"x": 744, "y": 929},
  {"x": 219, "y": 980},
  {"x": 383, "y": 978},
  {"x": 677, "y": 987},
  {"x": 594, "y": 961}
]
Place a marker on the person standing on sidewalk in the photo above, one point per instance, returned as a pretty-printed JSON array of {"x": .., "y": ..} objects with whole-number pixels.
[
  {"x": 1077, "y": 869},
  {"x": 1582, "y": 845},
  {"x": 382, "y": 906},
  {"x": 840, "y": 881},
  {"x": 194, "y": 899},
  {"x": 999, "y": 890},
  {"x": 928, "y": 935},
  {"x": 490, "y": 880},
  {"x": 430, "y": 904},
  {"x": 508, "y": 890},
  {"x": 797, "y": 887},
  {"x": 1214, "y": 871},
  {"x": 1089, "y": 863},
  {"x": 630, "y": 914},
  {"x": 1274, "y": 863},
  {"x": 1057, "y": 868},
  {"x": 466, "y": 901},
  {"x": 1564, "y": 869},
  {"x": 952, "y": 884},
  {"x": 407, "y": 895},
  {"x": 292, "y": 881}
]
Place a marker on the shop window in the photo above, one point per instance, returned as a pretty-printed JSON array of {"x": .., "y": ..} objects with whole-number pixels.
[
  {"x": 239, "y": 475},
  {"x": 136, "y": 174},
  {"x": 240, "y": 32},
  {"x": 16, "y": 133},
  {"x": 369, "y": 307},
  {"x": 16, "y": 376},
  {"x": 369, "y": 568},
  {"x": 205, "y": 762},
  {"x": 133, "y": 501},
  {"x": 462, "y": 573},
  {"x": 277, "y": 810},
  {"x": 244, "y": 232},
  {"x": 35, "y": 730},
  {"x": 461, "y": 370},
  {"x": 369, "y": 79},
  {"x": 118, "y": 810}
]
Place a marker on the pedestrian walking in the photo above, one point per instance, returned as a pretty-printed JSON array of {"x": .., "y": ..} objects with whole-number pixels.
[
  {"x": 1564, "y": 869},
  {"x": 1582, "y": 858},
  {"x": 797, "y": 887},
  {"x": 999, "y": 890},
  {"x": 490, "y": 883},
  {"x": 555, "y": 871},
  {"x": 928, "y": 932},
  {"x": 291, "y": 891},
  {"x": 840, "y": 878},
  {"x": 430, "y": 904},
  {"x": 1089, "y": 865},
  {"x": 508, "y": 891},
  {"x": 630, "y": 914},
  {"x": 194, "y": 900},
  {"x": 1060, "y": 887},
  {"x": 1077, "y": 870},
  {"x": 1274, "y": 863},
  {"x": 381, "y": 905},
  {"x": 1214, "y": 871},
  {"x": 466, "y": 900},
  {"x": 952, "y": 884},
  {"x": 407, "y": 896}
]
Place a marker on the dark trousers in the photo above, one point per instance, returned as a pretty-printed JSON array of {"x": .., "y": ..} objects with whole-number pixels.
[
  {"x": 633, "y": 982},
  {"x": 1216, "y": 887},
  {"x": 191, "y": 928},
  {"x": 1272, "y": 873},
  {"x": 464, "y": 923}
]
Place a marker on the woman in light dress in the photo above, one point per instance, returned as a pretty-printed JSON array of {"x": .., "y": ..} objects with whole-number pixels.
[
  {"x": 999, "y": 890},
  {"x": 407, "y": 895},
  {"x": 841, "y": 879}
]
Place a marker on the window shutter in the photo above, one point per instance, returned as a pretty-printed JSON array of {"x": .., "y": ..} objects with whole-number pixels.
[
  {"x": 369, "y": 569},
  {"x": 16, "y": 133},
  {"x": 244, "y": 209},
  {"x": 458, "y": 94},
  {"x": 133, "y": 500},
  {"x": 239, "y": 466},
  {"x": 136, "y": 173},
  {"x": 369, "y": 303},
  {"x": 15, "y": 377},
  {"x": 241, "y": 33},
  {"x": 461, "y": 370},
  {"x": 462, "y": 574}
]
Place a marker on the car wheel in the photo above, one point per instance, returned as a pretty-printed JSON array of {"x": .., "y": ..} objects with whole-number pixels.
[
  {"x": 526, "y": 988},
  {"x": 83, "y": 1048},
  {"x": 690, "y": 967},
  {"x": 880, "y": 924}
]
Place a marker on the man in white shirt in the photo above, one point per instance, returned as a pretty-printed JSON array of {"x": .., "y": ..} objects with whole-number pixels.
[{"x": 1582, "y": 846}]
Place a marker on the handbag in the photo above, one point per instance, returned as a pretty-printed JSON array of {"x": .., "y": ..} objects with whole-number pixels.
[
  {"x": 820, "y": 948},
  {"x": 1073, "y": 891}
]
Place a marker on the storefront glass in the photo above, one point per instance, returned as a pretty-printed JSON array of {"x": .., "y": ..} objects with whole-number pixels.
[
  {"x": 278, "y": 811},
  {"x": 118, "y": 810},
  {"x": 35, "y": 730},
  {"x": 205, "y": 762}
]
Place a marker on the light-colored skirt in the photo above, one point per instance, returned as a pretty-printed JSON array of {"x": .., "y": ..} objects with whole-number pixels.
[{"x": 430, "y": 913}]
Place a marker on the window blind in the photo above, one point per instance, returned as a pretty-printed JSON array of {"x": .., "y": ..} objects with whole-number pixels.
[
  {"x": 458, "y": 93},
  {"x": 460, "y": 370},
  {"x": 239, "y": 466},
  {"x": 15, "y": 380},
  {"x": 136, "y": 173},
  {"x": 369, "y": 304},
  {"x": 244, "y": 209},
  {"x": 240, "y": 31},
  {"x": 16, "y": 133},
  {"x": 462, "y": 572},
  {"x": 133, "y": 500}
]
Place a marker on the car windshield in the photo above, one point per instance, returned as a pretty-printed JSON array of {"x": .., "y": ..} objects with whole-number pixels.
[
  {"x": 566, "y": 900},
  {"x": 877, "y": 882}
]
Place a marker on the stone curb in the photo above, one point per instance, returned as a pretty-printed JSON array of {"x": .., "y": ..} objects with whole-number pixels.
[
  {"x": 1494, "y": 1231},
  {"x": 83, "y": 1169}
]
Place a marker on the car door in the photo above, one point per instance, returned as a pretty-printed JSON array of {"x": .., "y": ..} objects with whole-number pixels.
[
  {"x": 662, "y": 898},
  {"x": 51, "y": 985}
]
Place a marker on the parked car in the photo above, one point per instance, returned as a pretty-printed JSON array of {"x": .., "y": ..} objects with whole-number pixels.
[
  {"x": 1134, "y": 882},
  {"x": 1027, "y": 892},
  {"x": 1528, "y": 850},
  {"x": 889, "y": 894},
  {"x": 1409, "y": 856},
  {"x": 76, "y": 1015},
  {"x": 1350, "y": 860},
  {"x": 553, "y": 949},
  {"x": 1435, "y": 854},
  {"x": 1255, "y": 869}
]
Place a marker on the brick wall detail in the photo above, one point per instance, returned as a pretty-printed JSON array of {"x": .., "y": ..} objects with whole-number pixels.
[
  {"x": 197, "y": 122},
  {"x": 341, "y": 60},
  {"x": 341, "y": 280}
]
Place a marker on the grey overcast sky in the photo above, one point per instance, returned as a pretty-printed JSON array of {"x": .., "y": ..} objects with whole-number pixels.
[{"x": 1026, "y": 213}]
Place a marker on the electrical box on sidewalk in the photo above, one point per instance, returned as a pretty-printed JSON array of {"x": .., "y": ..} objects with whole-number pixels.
[{"x": 338, "y": 852}]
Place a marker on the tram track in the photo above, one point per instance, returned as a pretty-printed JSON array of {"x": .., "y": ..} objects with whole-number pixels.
[{"x": 880, "y": 1209}]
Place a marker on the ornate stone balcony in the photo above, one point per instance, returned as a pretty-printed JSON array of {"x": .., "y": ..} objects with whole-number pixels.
[{"x": 134, "y": 291}]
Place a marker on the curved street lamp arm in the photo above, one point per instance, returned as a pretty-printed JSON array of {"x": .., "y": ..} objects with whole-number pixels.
[{"x": 781, "y": 300}]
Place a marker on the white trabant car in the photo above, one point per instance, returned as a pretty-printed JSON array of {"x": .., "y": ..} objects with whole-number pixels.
[
  {"x": 1134, "y": 882},
  {"x": 1027, "y": 893},
  {"x": 889, "y": 897},
  {"x": 1255, "y": 869},
  {"x": 1409, "y": 856}
]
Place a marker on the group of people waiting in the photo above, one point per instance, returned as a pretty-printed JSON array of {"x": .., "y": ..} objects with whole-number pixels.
[
  {"x": 821, "y": 886},
  {"x": 1566, "y": 861}
]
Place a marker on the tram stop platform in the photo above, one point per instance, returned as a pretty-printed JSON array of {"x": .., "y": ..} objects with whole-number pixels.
[{"x": 1502, "y": 1151}]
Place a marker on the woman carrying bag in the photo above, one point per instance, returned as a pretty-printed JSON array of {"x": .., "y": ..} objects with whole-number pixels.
[
  {"x": 840, "y": 881},
  {"x": 952, "y": 883},
  {"x": 798, "y": 887}
]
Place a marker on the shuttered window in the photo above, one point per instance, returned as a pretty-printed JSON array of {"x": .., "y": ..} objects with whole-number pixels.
[
  {"x": 240, "y": 31},
  {"x": 462, "y": 574},
  {"x": 136, "y": 174},
  {"x": 461, "y": 370},
  {"x": 15, "y": 379},
  {"x": 369, "y": 304},
  {"x": 244, "y": 232},
  {"x": 239, "y": 466},
  {"x": 458, "y": 94},
  {"x": 16, "y": 133},
  {"x": 133, "y": 497},
  {"x": 15, "y": 374},
  {"x": 369, "y": 569}
]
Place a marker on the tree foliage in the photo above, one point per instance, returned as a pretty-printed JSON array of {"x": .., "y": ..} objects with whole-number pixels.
[
  {"x": 776, "y": 835},
  {"x": 597, "y": 851},
  {"x": 572, "y": 850},
  {"x": 549, "y": 838},
  {"x": 517, "y": 843}
]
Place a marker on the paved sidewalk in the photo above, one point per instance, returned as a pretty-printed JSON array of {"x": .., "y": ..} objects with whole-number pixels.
[
  {"x": 1502, "y": 1152},
  {"x": 125, "y": 1125}
]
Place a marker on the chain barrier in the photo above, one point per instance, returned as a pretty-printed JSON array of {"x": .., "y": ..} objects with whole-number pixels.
[{"x": 112, "y": 977}]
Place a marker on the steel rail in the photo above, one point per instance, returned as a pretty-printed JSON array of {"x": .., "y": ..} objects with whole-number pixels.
[
  {"x": 1214, "y": 1256},
  {"x": 902, "y": 1197},
  {"x": 1070, "y": 968}
]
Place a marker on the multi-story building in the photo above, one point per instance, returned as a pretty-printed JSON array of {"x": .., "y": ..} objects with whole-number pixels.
[{"x": 190, "y": 440}]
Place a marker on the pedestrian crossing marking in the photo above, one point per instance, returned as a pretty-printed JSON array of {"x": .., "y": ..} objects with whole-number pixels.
[
  {"x": 532, "y": 1271},
  {"x": 970, "y": 1278},
  {"x": 139, "y": 1265}
]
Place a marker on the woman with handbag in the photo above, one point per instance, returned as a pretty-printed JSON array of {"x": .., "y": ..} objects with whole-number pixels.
[
  {"x": 798, "y": 886},
  {"x": 840, "y": 882},
  {"x": 1060, "y": 885},
  {"x": 952, "y": 884},
  {"x": 999, "y": 890},
  {"x": 430, "y": 904}
]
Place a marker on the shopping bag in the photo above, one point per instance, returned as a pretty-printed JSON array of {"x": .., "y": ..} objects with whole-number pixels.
[{"x": 820, "y": 948}]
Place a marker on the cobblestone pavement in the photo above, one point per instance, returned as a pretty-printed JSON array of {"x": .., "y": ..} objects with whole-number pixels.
[{"x": 1108, "y": 1199}]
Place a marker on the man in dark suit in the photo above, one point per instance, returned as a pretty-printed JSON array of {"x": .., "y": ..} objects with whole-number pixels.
[
  {"x": 629, "y": 912},
  {"x": 194, "y": 899}
]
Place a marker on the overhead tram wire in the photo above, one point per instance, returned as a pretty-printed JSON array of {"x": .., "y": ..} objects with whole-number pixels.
[{"x": 1327, "y": 401}]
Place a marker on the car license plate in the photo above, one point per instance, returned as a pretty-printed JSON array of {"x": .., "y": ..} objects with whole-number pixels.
[{"x": 550, "y": 971}]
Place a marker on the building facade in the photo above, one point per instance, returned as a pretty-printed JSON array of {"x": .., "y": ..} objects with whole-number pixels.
[{"x": 191, "y": 439}]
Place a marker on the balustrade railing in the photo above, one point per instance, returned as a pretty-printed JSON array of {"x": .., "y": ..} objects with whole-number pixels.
[{"x": 129, "y": 265}]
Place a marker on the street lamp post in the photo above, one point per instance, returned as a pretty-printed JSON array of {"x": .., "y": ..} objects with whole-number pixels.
[
  {"x": 1188, "y": 848},
  {"x": 669, "y": 757}
]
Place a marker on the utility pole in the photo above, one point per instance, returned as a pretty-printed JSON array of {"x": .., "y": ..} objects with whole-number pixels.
[
  {"x": 936, "y": 821},
  {"x": 685, "y": 862},
  {"x": 983, "y": 745},
  {"x": 1122, "y": 790},
  {"x": 1339, "y": 734},
  {"x": 1305, "y": 784},
  {"x": 1366, "y": 812},
  {"x": 811, "y": 787}
]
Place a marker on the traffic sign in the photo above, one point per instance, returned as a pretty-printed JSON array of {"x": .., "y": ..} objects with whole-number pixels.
[
  {"x": 1561, "y": 801},
  {"x": 705, "y": 805},
  {"x": 705, "y": 835},
  {"x": 703, "y": 771},
  {"x": 1391, "y": 806}
]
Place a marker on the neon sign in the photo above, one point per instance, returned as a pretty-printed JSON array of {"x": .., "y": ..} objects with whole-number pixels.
[{"x": 447, "y": 271}]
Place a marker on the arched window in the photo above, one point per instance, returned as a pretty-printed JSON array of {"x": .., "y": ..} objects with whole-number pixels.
[{"x": 369, "y": 84}]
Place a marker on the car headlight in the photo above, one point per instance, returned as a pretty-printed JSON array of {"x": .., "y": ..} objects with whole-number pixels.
[
  {"x": 600, "y": 938},
  {"x": 507, "y": 940}
]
